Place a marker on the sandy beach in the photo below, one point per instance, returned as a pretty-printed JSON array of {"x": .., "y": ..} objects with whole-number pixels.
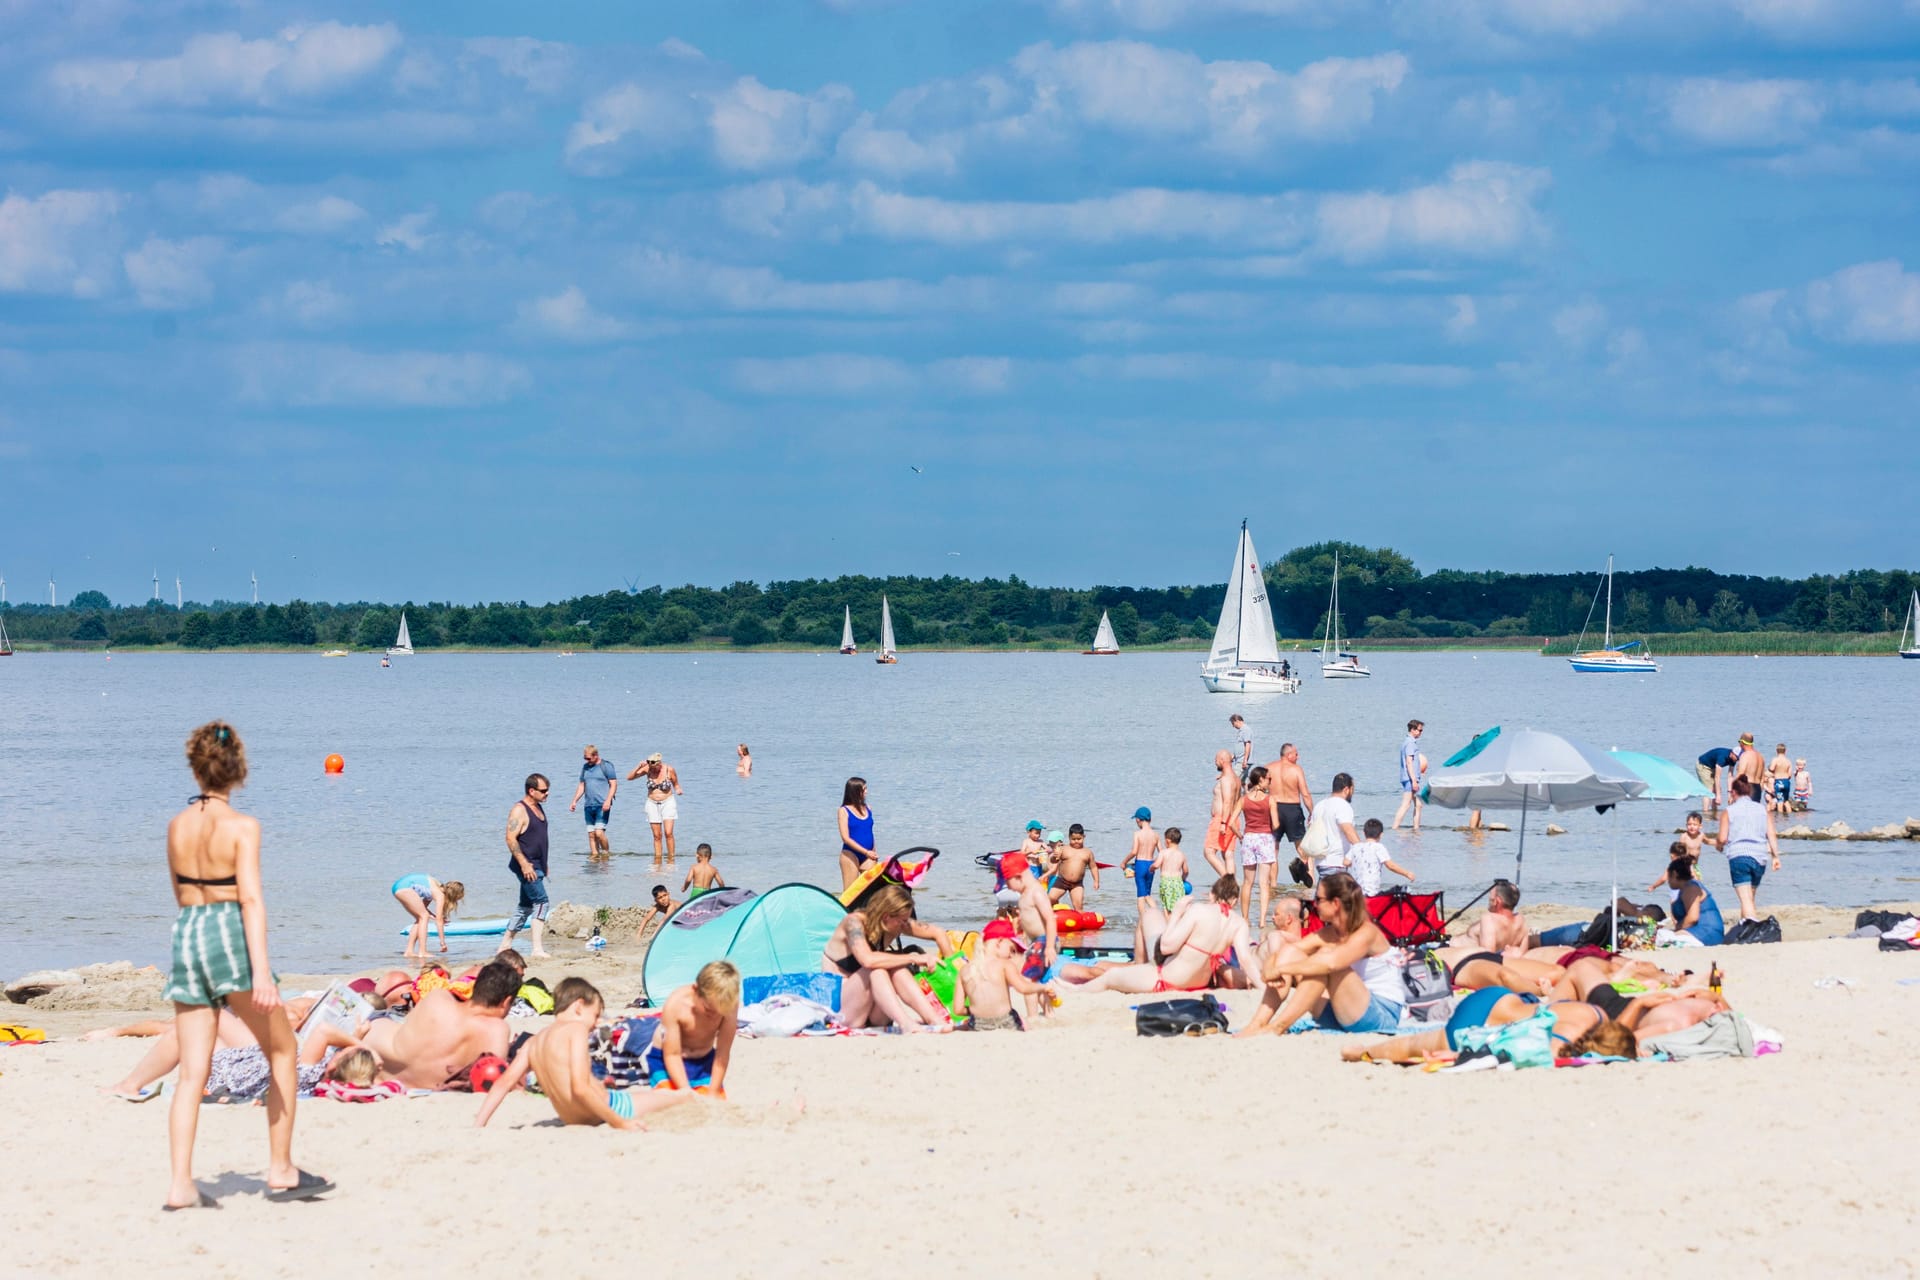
[{"x": 1079, "y": 1149}]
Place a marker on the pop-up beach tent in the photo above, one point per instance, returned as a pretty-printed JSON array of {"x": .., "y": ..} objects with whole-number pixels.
[{"x": 783, "y": 930}]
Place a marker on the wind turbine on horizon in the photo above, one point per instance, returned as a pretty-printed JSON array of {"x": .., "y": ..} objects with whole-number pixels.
[
  {"x": 156, "y": 585},
  {"x": 178, "y": 603},
  {"x": 255, "y": 579},
  {"x": 3, "y": 590},
  {"x": 53, "y": 593}
]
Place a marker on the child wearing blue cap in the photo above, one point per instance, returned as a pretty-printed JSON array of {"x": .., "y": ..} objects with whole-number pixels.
[{"x": 1140, "y": 857}]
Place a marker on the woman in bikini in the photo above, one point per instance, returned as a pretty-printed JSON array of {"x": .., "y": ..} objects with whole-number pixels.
[
  {"x": 1612, "y": 1025},
  {"x": 878, "y": 986},
  {"x": 1199, "y": 940},
  {"x": 429, "y": 902},
  {"x": 220, "y": 952},
  {"x": 1342, "y": 976}
]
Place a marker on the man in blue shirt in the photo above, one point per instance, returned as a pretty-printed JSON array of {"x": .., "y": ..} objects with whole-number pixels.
[
  {"x": 1712, "y": 770},
  {"x": 1412, "y": 766},
  {"x": 598, "y": 783}
]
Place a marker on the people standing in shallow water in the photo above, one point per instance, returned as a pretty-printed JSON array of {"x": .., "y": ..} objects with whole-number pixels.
[
  {"x": 745, "y": 767},
  {"x": 429, "y": 903},
  {"x": 663, "y": 806},
  {"x": 856, "y": 831},
  {"x": 527, "y": 843},
  {"x": 220, "y": 952}
]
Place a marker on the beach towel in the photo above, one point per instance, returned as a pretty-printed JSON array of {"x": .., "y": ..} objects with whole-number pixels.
[
  {"x": 341, "y": 1091},
  {"x": 782, "y": 1016},
  {"x": 1526, "y": 1043},
  {"x": 12, "y": 1033},
  {"x": 1724, "y": 1035}
]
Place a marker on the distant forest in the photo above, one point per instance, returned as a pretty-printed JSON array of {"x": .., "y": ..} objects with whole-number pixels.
[{"x": 1382, "y": 597}]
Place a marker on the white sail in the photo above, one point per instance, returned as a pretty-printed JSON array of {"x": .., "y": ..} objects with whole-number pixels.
[
  {"x": 1913, "y": 620},
  {"x": 886, "y": 628},
  {"x": 1245, "y": 635},
  {"x": 402, "y": 643},
  {"x": 1103, "y": 639},
  {"x": 846, "y": 632},
  {"x": 6, "y": 645}
]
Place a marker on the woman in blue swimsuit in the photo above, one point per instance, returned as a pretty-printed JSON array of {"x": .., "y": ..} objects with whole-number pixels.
[
  {"x": 856, "y": 832},
  {"x": 428, "y": 902}
]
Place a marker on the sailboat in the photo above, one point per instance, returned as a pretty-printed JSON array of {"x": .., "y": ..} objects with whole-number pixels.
[
  {"x": 846, "y": 633},
  {"x": 1912, "y": 629},
  {"x": 402, "y": 643},
  {"x": 886, "y": 655},
  {"x": 1246, "y": 655},
  {"x": 1336, "y": 663},
  {"x": 6, "y": 645},
  {"x": 1610, "y": 658},
  {"x": 1104, "y": 643}
]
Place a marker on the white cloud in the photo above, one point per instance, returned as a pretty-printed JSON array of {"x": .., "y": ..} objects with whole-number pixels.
[
  {"x": 895, "y": 153},
  {"x": 973, "y": 375},
  {"x": 1870, "y": 302},
  {"x": 1579, "y": 324},
  {"x": 55, "y": 243},
  {"x": 1482, "y": 208},
  {"x": 830, "y": 375},
  {"x": 756, "y": 128},
  {"x": 309, "y": 376},
  {"x": 310, "y": 304},
  {"x": 321, "y": 216},
  {"x": 541, "y": 65},
  {"x": 676, "y": 279},
  {"x": 1465, "y": 318},
  {"x": 224, "y": 69},
  {"x": 568, "y": 315},
  {"x": 1240, "y": 107},
  {"x": 1142, "y": 213},
  {"x": 171, "y": 275},
  {"x": 1744, "y": 113},
  {"x": 407, "y": 232},
  {"x": 1159, "y": 15}
]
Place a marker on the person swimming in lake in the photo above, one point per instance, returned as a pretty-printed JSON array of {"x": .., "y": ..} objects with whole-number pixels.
[
  {"x": 219, "y": 953},
  {"x": 429, "y": 902},
  {"x": 745, "y": 767}
]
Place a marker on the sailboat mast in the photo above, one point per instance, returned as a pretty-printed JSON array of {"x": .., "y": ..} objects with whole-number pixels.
[
  {"x": 1607, "y": 643},
  {"x": 1240, "y": 589}
]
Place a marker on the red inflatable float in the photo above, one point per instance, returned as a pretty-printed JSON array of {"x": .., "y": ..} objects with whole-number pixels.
[{"x": 1067, "y": 920}]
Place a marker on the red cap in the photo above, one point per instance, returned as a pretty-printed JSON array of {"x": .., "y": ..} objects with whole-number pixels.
[
  {"x": 1012, "y": 864},
  {"x": 999, "y": 929}
]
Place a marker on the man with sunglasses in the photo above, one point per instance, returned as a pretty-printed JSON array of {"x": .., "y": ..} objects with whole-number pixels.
[{"x": 527, "y": 842}]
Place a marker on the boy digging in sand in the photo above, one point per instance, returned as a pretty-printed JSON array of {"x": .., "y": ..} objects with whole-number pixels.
[
  {"x": 558, "y": 1058},
  {"x": 694, "y": 1040}
]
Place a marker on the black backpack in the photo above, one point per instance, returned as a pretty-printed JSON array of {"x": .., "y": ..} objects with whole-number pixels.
[
  {"x": 1194, "y": 1016},
  {"x": 1751, "y": 931}
]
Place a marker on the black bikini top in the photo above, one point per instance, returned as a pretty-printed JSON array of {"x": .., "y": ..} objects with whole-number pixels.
[{"x": 218, "y": 883}]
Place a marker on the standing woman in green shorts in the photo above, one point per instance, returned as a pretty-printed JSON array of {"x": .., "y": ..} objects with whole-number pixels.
[{"x": 220, "y": 952}]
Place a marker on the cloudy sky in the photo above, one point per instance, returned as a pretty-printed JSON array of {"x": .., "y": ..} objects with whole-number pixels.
[{"x": 501, "y": 300}]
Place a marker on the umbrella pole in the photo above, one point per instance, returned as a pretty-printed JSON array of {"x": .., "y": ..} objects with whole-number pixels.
[
  {"x": 1522, "y": 855},
  {"x": 1614, "y": 945}
]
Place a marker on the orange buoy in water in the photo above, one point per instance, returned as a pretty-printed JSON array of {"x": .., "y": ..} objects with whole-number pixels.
[{"x": 335, "y": 764}]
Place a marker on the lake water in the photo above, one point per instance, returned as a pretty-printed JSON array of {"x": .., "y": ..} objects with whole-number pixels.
[{"x": 960, "y": 749}]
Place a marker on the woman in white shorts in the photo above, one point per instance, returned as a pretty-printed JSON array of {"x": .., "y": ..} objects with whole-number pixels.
[{"x": 1257, "y": 855}]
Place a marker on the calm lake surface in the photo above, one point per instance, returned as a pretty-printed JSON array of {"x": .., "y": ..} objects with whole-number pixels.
[{"x": 960, "y": 749}]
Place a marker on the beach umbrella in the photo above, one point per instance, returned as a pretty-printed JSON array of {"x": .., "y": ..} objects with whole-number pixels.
[
  {"x": 1665, "y": 780},
  {"x": 1464, "y": 754},
  {"x": 1529, "y": 769}
]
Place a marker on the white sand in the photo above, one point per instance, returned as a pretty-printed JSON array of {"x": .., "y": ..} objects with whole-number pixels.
[{"x": 1078, "y": 1149}]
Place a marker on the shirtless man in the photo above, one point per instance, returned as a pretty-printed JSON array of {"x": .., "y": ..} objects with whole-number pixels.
[
  {"x": 1289, "y": 921},
  {"x": 1751, "y": 767},
  {"x": 663, "y": 785},
  {"x": 442, "y": 1036},
  {"x": 1501, "y": 928},
  {"x": 560, "y": 1061},
  {"x": 1226, "y": 794},
  {"x": 1291, "y": 796},
  {"x": 1073, "y": 865}
]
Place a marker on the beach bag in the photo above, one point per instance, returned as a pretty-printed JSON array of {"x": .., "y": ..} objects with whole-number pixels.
[
  {"x": 1881, "y": 920},
  {"x": 1429, "y": 990},
  {"x": 1753, "y": 931},
  {"x": 1195, "y": 1016},
  {"x": 1318, "y": 843}
]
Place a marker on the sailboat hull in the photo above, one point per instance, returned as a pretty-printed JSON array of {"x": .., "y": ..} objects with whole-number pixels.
[
  {"x": 1612, "y": 664},
  {"x": 1100, "y": 653},
  {"x": 1341, "y": 671},
  {"x": 1910, "y": 653},
  {"x": 1249, "y": 680}
]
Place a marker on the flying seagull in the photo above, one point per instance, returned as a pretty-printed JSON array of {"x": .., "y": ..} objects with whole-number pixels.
[{"x": 917, "y": 471}]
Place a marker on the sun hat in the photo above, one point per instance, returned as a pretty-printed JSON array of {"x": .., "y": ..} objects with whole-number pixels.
[
  {"x": 1056, "y": 836},
  {"x": 1034, "y": 824},
  {"x": 1143, "y": 813}
]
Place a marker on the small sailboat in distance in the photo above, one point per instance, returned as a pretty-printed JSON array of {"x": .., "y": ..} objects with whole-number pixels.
[
  {"x": 846, "y": 633},
  {"x": 1246, "y": 655},
  {"x": 6, "y": 645},
  {"x": 402, "y": 643},
  {"x": 1610, "y": 658},
  {"x": 886, "y": 656},
  {"x": 1104, "y": 642},
  {"x": 1335, "y": 662},
  {"x": 1911, "y": 630}
]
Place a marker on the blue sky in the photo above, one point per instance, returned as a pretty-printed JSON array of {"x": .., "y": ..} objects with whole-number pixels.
[{"x": 510, "y": 301}]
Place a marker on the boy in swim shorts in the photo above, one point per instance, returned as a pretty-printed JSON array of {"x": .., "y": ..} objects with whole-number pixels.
[
  {"x": 693, "y": 1033},
  {"x": 992, "y": 976},
  {"x": 558, "y": 1058},
  {"x": 1171, "y": 865},
  {"x": 1035, "y": 918}
]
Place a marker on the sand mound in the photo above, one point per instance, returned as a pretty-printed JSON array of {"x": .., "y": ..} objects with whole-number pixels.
[{"x": 96, "y": 986}]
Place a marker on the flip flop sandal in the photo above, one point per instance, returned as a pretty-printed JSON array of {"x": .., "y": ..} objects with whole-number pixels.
[
  {"x": 309, "y": 1186},
  {"x": 204, "y": 1202},
  {"x": 147, "y": 1094}
]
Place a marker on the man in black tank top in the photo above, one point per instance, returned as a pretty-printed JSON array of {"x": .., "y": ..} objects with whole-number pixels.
[{"x": 527, "y": 843}]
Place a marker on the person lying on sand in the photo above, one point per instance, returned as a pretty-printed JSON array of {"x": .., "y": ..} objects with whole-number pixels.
[
  {"x": 558, "y": 1058},
  {"x": 442, "y": 1036},
  {"x": 1199, "y": 939},
  {"x": 1579, "y": 1027},
  {"x": 992, "y": 976},
  {"x": 230, "y": 1032}
]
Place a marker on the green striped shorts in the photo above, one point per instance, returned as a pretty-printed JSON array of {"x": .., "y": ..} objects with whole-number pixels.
[{"x": 209, "y": 955}]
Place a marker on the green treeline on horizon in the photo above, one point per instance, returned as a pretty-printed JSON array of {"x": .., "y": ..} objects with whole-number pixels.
[{"x": 1382, "y": 595}]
